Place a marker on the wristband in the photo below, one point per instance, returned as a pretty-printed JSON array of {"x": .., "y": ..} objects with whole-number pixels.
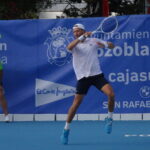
[{"x": 81, "y": 38}]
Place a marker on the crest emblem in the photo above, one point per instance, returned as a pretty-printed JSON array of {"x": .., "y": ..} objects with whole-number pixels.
[
  {"x": 56, "y": 46},
  {"x": 145, "y": 91}
]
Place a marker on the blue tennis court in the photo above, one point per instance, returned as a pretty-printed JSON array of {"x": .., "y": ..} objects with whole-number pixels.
[{"x": 84, "y": 135}]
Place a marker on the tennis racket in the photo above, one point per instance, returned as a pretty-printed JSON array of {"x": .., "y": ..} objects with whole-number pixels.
[{"x": 108, "y": 25}]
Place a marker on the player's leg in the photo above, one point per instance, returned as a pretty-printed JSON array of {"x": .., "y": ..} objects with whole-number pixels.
[
  {"x": 71, "y": 113},
  {"x": 3, "y": 103},
  {"x": 81, "y": 89},
  {"x": 103, "y": 85},
  {"x": 108, "y": 90},
  {"x": 76, "y": 103}
]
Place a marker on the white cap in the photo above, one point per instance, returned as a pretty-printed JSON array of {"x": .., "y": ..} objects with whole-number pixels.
[{"x": 79, "y": 25}]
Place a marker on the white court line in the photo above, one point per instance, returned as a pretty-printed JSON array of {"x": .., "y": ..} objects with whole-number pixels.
[{"x": 137, "y": 135}]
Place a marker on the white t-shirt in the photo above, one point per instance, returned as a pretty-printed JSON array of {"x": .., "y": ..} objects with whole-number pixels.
[{"x": 85, "y": 58}]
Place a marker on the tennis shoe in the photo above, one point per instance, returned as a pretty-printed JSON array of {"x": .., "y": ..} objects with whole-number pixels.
[
  {"x": 6, "y": 118},
  {"x": 64, "y": 136},
  {"x": 108, "y": 125}
]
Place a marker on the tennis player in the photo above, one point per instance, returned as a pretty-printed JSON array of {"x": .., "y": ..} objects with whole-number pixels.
[
  {"x": 88, "y": 72},
  {"x": 2, "y": 97}
]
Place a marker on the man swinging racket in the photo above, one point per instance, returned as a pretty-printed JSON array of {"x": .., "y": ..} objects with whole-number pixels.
[{"x": 88, "y": 72}]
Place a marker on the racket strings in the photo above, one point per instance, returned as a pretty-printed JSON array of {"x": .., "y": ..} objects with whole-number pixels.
[{"x": 109, "y": 25}]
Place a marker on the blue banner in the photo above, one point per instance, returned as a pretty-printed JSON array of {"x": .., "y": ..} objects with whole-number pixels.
[{"x": 38, "y": 72}]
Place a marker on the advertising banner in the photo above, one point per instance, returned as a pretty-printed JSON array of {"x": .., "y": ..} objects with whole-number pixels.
[{"x": 38, "y": 71}]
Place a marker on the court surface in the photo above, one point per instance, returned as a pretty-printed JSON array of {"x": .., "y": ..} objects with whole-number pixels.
[{"x": 84, "y": 135}]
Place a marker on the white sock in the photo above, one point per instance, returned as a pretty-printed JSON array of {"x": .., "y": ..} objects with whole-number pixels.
[
  {"x": 110, "y": 114},
  {"x": 6, "y": 115},
  {"x": 67, "y": 126}
]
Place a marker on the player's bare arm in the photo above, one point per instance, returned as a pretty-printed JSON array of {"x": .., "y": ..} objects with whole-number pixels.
[
  {"x": 73, "y": 44},
  {"x": 79, "y": 39},
  {"x": 110, "y": 45}
]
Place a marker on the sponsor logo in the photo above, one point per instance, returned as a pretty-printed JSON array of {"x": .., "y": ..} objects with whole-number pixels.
[
  {"x": 56, "y": 46},
  {"x": 126, "y": 50},
  {"x": 145, "y": 91},
  {"x": 131, "y": 104},
  {"x": 3, "y": 50},
  {"x": 48, "y": 92},
  {"x": 3, "y": 46},
  {"x": 3, "y": 59},
  {"x": 128, "y": 77},
  {"x": 133, "y": 34}
]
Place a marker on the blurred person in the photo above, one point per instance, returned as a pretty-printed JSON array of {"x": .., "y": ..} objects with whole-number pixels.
[{"x": 3, "y": 101}]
